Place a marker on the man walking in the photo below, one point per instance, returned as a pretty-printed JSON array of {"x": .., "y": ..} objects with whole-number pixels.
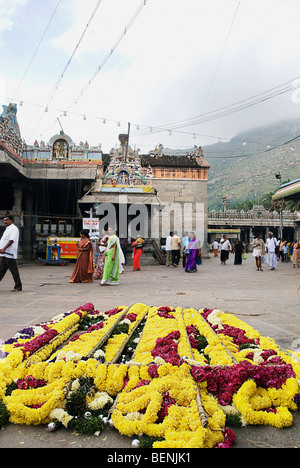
[
  {"x": 176, "y": 248},
  {"x": 184, "y": 245},
  {"x": 215, "y": 247},
  {"x": 271, "y": 245},
  {"x": 168, "y": 249},
  {"x": 225, "y": 247},
  {"x": 9, "y": 252}
]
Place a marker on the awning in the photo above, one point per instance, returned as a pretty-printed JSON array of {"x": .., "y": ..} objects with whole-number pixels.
[{"x": 289, "y": 191}]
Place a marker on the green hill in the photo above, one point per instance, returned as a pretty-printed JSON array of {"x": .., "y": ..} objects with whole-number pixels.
[{"x": 244, "y": 168}]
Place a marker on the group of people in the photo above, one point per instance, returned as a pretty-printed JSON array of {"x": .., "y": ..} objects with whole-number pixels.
[
  {"x": 289, "y": 250},
  {"x": 224, "y": 247},
  {"x": 190, "y": 249},
  {"x": 275, "y": 249},
  {"x": 111, "y": 259}
]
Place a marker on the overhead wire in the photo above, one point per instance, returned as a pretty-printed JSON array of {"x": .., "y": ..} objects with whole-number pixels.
[
  {"x": 219, "y": 61},
  {"x": 99, "y": 68},
  {"x": 226, "y": 110},
  {"x": 143, "y": 130},
  {"x": 110, "y": 53},
  {"x": 239, "y": 155},
  {"x": 54, "y": 89},
  {"x": 176, "y": 126},
  {"x": 50, "y": 97},
  {"x": 36, "y": 49}
]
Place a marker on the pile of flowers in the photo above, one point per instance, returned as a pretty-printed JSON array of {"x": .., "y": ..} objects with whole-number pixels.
[
  {"x": 167, "y": 348},
  {"x": 179, "y": 377}
]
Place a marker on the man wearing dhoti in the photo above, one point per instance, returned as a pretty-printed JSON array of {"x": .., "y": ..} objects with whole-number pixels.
[{"x": 271, "y": 245}]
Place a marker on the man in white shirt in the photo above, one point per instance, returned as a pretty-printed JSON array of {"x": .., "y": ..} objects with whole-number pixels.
[
  {"x": 168, "y": 248},
  {"x": 271, "y": 245},
  {"x": 9, "y": 252},
  {"x": 215, "y": 247},
  {"x": 225, "y": 247},
  {"x": 184, "y": 245}
]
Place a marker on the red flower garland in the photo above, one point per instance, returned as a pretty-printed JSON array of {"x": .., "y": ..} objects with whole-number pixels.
[
  {"x": 30, "y": 382},
  {"x": 164, "y": 312},
  {"x": 166, "y": 348},
  {"x": 34, "y": 345},
  {"x": 224, "y": 382}
]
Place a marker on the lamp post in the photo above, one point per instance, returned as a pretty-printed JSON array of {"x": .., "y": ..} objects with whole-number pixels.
[{"x": 225, "y": 202}]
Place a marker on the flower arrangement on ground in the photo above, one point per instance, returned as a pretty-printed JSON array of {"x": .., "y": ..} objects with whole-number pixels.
[{"x": 177, "y": 376}]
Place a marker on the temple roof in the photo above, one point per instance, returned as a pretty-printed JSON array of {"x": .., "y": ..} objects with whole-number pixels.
[
  {"x": 288, "y": 191},
  {"x": 157, "y": 160}
]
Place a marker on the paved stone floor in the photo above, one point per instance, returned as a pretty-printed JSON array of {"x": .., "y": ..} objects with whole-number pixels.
[{"x": 268, "y": 300}]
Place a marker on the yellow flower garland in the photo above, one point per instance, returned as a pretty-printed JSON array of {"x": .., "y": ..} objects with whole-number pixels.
[
  {"x": 242, "y": 401},
  {"x": 137, "y": 407}
]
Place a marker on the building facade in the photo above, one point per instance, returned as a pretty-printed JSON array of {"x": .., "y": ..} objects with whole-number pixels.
[{"x": 50, "y": 188}]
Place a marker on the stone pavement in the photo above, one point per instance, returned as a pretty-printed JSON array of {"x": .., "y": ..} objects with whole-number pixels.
[{"x": 269, "y": 301}]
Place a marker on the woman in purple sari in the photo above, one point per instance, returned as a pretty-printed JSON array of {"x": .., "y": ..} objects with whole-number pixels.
[{"x": 194, "y": 254}]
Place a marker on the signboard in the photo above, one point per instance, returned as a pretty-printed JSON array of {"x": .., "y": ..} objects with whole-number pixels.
[
  {"x": 90, "y": 224},
  {"x": 68, "y": 246}
]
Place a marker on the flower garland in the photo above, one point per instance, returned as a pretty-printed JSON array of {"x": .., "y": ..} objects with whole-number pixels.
[
  {"x": 165, "y": 407},
  {"x": 84, "y": 408},
  {"x": 173, "y": 367},
  {"x": 84, "y": 343},
  {"x": 137, "y": 311},
  {"x": 250, "y": 345}
]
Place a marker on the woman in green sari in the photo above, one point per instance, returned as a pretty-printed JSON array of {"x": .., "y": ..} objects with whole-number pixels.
[{"x": 111, "y": 267}]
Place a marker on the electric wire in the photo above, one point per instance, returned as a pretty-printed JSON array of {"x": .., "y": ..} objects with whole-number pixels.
[
  {"x": 110, "y": 53},
  {"x": 223, "y": 111},
  {"x": 54, "y": 89},
  {"x": 36, "y": 50},
  {"x": 256, "y": 153},
  {"x": 99, "y": 68},
  {"x": 215, "y": 72},
  {"x": 227, "y": 110},
  {"x": 51, "y": 95}
]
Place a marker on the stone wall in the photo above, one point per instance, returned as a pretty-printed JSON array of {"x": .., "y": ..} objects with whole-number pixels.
[{"x": 185, "y": 206}]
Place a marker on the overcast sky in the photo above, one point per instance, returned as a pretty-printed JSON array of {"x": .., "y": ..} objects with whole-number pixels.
[{"x": 177, "y": 60}]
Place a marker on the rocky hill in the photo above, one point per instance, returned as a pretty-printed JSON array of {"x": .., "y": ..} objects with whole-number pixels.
[{"x": 244, "y": 167}]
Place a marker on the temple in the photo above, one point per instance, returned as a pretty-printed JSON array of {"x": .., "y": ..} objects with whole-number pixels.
[{"x": 50, "y": 188}]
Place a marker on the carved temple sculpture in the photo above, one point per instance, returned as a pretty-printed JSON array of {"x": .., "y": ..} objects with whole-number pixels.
[
  {"x": 9, "y": 129},
  {"x": 125, "y": 170}
]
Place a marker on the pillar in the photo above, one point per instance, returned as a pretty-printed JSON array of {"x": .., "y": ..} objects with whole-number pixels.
[
  {"x": 27, "y": 233},
  {"x": 17, "y": 213}
]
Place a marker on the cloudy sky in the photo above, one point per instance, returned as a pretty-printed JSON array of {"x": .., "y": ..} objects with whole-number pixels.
[{"x": 161, "y": 62}]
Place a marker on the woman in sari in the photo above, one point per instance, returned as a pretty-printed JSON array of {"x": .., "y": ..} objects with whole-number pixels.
[
  {"x": 112, "y": 265},
  {"x": 194, "y": 255},
  {"x": 137, "y": 252},
  {"x": 84, "y": 268},
  {"x": 296, "y": 254},
  {"x": 238, "y": 252},
  {"x": 101, "y": 258}
]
